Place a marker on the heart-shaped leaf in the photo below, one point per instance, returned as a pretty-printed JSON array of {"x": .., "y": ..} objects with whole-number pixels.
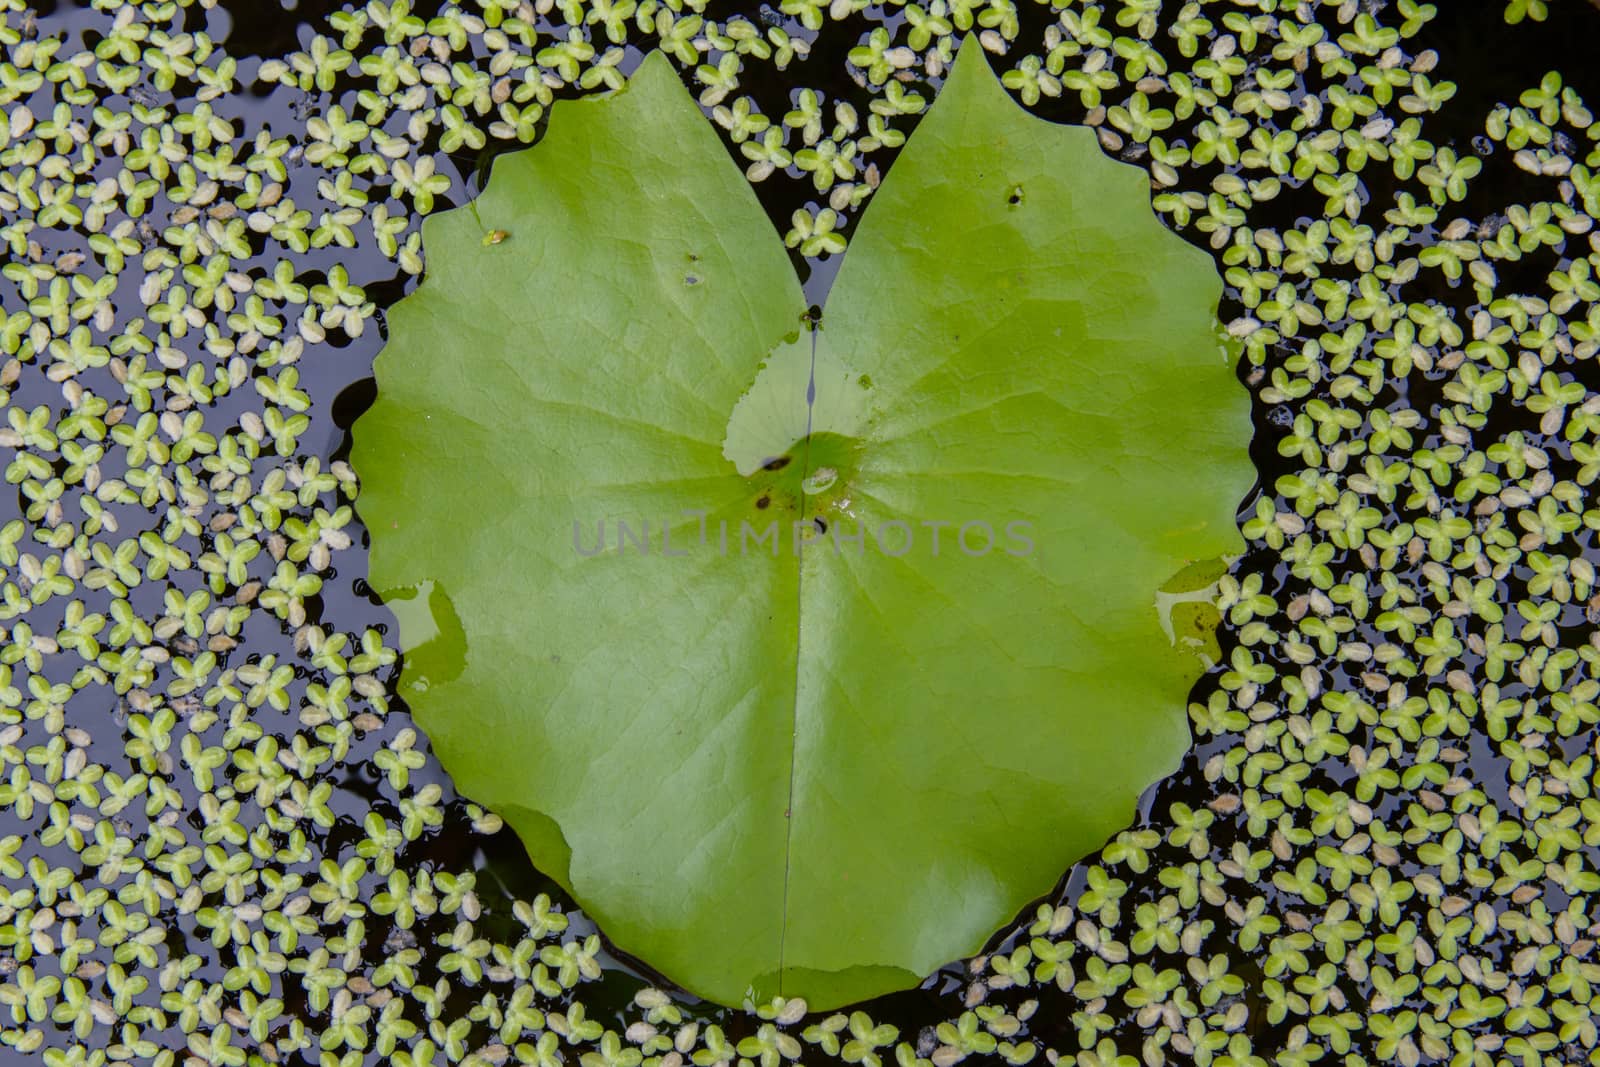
[{"x": 604, "y": 424}]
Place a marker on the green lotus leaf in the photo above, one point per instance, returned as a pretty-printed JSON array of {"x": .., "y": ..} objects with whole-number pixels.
[{"x": 804, "y": 653}]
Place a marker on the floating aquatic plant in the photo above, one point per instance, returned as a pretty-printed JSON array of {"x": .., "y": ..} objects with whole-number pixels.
[
  {"x": 1016, "y": 358},
  {"x": 1410, "y": 319}
]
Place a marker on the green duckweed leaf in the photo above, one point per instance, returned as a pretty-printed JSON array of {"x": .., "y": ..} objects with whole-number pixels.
[{"x": 825, "y": 770}]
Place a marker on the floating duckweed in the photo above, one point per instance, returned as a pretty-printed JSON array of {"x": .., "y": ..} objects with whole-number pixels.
[{"x": 223, "y": 835}]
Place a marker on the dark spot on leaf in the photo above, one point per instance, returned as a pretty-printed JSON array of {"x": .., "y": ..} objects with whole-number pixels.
[
  {"x": 763, "y": 502},
  {"x": 865, "y": 381},
  {"x": 775, "y": 464}
]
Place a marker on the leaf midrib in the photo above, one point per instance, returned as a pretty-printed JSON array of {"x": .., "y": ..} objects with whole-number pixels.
[{"x": 799, "y": 629}]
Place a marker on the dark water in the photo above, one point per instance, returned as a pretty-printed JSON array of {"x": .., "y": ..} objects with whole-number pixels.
[{"x": 1470, "y": 41}]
